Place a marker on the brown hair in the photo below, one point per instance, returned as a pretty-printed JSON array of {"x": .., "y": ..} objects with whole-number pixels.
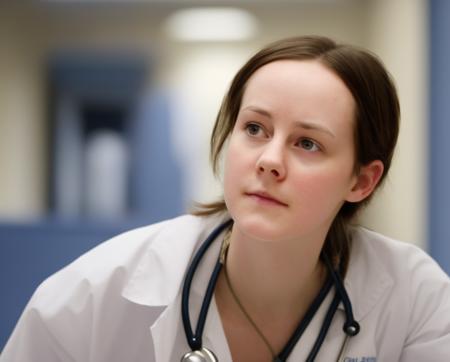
[{"x": 377, "y": 115}]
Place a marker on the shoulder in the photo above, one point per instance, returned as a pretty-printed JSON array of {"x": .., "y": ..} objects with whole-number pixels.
[
  {"x": 407, "y": 291},
  {"x": 111, "y": 265},
  {"x": 400, "y": 259},
  {"x": 410, "y": 269},
  {"x": 121, "y": 249},
  {"x": 385, "y": 271}
]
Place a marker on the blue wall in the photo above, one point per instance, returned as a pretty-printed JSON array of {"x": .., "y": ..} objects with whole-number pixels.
[{"x": 439, "y": 183}]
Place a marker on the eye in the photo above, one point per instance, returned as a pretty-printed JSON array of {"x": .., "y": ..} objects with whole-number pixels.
[
  {"x": 308, "y": 145},
  {"x": 253, "y": 129}
]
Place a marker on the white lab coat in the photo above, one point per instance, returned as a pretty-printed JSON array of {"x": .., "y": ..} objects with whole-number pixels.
[{"x": 121, "y": 302}]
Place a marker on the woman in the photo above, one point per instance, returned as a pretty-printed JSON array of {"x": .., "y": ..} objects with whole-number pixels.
[{"x": 309, "y": 127}]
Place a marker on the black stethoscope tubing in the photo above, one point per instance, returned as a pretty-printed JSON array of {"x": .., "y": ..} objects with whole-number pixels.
[
  {"x": 351, "y": 327},
  {"x": 324, "y": 328},
  {"x": 309, "y": 315},
  {"x": 195, "y": 339}
]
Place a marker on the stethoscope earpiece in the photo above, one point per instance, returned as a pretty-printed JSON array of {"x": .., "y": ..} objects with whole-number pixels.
[{"x": 351, "y": 329}]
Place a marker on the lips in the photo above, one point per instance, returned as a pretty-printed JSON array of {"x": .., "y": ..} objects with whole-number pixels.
[{"x": 265, "y": 197}]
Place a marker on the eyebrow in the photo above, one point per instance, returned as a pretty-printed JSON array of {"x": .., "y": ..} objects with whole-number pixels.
[
  {"x": 315, "y": 127},
  {"x": 302, "y": 124}
]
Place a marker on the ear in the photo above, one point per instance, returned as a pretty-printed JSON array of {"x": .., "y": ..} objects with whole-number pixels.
[{"x": 366, "y": 181}]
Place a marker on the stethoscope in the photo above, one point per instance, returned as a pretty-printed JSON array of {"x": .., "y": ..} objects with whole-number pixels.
[{"x": 199, "y": 353}]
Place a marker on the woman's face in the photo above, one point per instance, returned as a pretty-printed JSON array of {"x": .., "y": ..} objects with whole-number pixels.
[{"x": 290, "y": 160}]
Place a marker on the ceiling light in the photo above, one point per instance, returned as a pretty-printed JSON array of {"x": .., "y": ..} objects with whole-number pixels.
[{"x": 211, "y": 24}]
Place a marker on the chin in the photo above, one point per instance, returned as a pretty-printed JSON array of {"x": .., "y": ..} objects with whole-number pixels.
[{"x": 258, "y": 228}]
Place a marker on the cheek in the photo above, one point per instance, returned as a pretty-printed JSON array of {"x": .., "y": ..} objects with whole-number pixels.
[
  {"x": 231, "y": 171},
  {"x": 324, "y": 185},
  {"x": 237, "y": 160},
  {"x": 238, "y": 165}
]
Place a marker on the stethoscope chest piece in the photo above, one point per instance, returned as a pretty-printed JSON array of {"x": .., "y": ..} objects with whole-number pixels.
[{"x": 201, "y": 355}]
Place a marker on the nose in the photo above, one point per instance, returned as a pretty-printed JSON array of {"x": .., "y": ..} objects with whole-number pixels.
[{"x": 271, "y": 161}]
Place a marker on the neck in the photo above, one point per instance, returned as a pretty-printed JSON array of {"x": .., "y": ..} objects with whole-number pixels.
[{"x": 275, "y": 279}]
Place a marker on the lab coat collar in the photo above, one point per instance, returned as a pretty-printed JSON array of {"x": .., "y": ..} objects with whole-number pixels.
[
  {"x": 362, "y": 272},
  {"x": 170, "y": 255}
]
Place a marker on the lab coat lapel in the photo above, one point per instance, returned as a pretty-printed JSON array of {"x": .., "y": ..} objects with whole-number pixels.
[
  {"x": 168, "y": 333},
  {"x": 165, "y": 333},
  {"x": 157, "y": 280}
]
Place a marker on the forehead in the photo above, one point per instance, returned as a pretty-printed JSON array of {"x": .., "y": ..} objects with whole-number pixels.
[{"x": 304, "y": 88}]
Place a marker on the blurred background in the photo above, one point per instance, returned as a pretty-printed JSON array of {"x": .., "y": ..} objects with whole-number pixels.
[{"x": 106, "y": 107}]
